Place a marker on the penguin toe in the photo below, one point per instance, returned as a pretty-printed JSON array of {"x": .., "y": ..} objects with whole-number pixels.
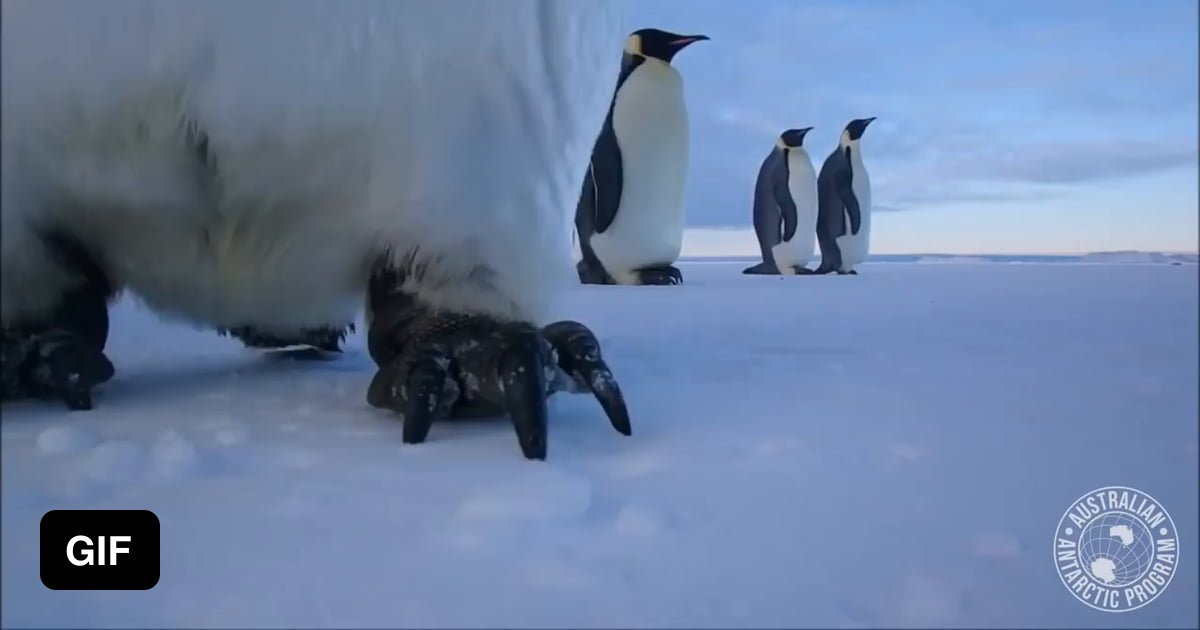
[
  {"x": 660, "y": 276},
  {"x": 522, "y": 374},
  {"x": 418, "y": 387},
  {"x": 579, "y": 356}
]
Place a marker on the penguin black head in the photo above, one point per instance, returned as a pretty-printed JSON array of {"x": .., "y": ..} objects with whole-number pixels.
[
  {"x": 659, "y": 44},
  {"x": 793, "y": 138},
  {"x": 857, "y": 126}
]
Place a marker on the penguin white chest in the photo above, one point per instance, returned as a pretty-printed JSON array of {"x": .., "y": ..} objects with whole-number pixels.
[
  {"x": 802, "y": 185},
  {"x": 856, "y": 247},
  {"x": 650, "y": 121}
]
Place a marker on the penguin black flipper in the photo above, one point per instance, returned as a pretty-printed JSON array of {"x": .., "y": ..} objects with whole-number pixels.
[
  {"x": 590, "y": 270},
  {"x": 783, "y": 197},
  {"x": 605, "y": 178},
  {"x": 600, "y": 197},
  {"x": 845, "y": 191}
]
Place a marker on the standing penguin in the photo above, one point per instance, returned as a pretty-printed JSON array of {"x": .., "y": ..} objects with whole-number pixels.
[
  {"x": 785, "y": 207},
  {"x": 630, "y": 213},
  {"x": 844, "y": 204}
]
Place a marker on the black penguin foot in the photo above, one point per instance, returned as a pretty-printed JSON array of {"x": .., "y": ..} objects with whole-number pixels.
[
  {"x": 591, "y": 274},
  {"x": 659, "y": 276},
  {"x": 54, "y": 364},
  {"x": 761, "y": 269},
  {"x": 448, "y": 365},
  {"x": 325, "y": 338},
  {"x": 847, "y": 273},
  {"x": 802, "y": 271}
]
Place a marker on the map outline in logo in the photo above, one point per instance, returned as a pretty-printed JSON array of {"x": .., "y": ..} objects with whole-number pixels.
[{"x": 1121, "y": 517}]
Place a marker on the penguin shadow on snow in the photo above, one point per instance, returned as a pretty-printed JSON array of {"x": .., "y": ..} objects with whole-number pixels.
[
  {"x": 630, "y": 214},
  {"x": 794, "y": 206}
]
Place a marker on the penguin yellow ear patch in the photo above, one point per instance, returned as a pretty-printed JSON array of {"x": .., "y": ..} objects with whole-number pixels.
[{"x": 633, "y": 44}]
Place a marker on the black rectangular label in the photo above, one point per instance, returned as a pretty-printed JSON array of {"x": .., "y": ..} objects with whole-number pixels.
[{"x": 110, "y": 550}]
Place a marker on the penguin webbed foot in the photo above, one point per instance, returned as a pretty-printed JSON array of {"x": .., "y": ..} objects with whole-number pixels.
[
  {"x": 761, "y": 269},
  {"x": 660, "y": 276},
  {"x": 53, "y": 364},
  {"x": 454, "y": 365},
  {"x": 590, "y": 274},
  {"x": 802, "y": 271},
  {"x": 325, "y": 339}
]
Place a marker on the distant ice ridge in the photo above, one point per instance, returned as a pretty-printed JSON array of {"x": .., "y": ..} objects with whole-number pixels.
[
  {"x": 1131, "y": 257},
  {"x": 959, "y": 260}
]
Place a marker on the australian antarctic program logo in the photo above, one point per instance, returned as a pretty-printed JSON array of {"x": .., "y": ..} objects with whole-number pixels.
[{"x": 1116, "y": 549}]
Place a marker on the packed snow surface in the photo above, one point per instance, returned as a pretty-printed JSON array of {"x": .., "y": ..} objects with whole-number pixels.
[{"x": 889, "y": 449}]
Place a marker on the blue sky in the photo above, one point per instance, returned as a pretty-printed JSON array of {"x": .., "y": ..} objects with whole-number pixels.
[{"x": 1004, "y": 126}]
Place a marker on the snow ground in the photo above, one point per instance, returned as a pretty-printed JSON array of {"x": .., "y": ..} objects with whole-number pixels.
[{"x": 892, "y": 449}]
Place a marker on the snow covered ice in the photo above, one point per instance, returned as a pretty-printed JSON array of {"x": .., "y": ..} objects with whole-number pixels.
[{"x": 892, "y": 449}]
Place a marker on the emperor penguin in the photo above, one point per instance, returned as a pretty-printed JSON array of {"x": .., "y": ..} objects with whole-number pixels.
[
  {"x": 844, "y": 204},
  {"x": 785, "y": 207},
  {"x": 271, "y": 171},
  {"x": 630, "y": 214}
]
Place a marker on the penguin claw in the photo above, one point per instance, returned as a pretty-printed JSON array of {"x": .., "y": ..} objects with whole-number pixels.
[
  {"x": 579, "y": 356},
  {"x": 458, "y": 365},
  {"x": 419, "y": 389},
  {"x": 522, "y": 375}
]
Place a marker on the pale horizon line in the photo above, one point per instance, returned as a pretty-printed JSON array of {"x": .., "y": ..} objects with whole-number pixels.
[{"x": 716, "y": 241}]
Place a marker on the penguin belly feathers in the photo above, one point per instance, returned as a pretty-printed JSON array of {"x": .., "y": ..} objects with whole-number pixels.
[{"x": 234, "y": 164}]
